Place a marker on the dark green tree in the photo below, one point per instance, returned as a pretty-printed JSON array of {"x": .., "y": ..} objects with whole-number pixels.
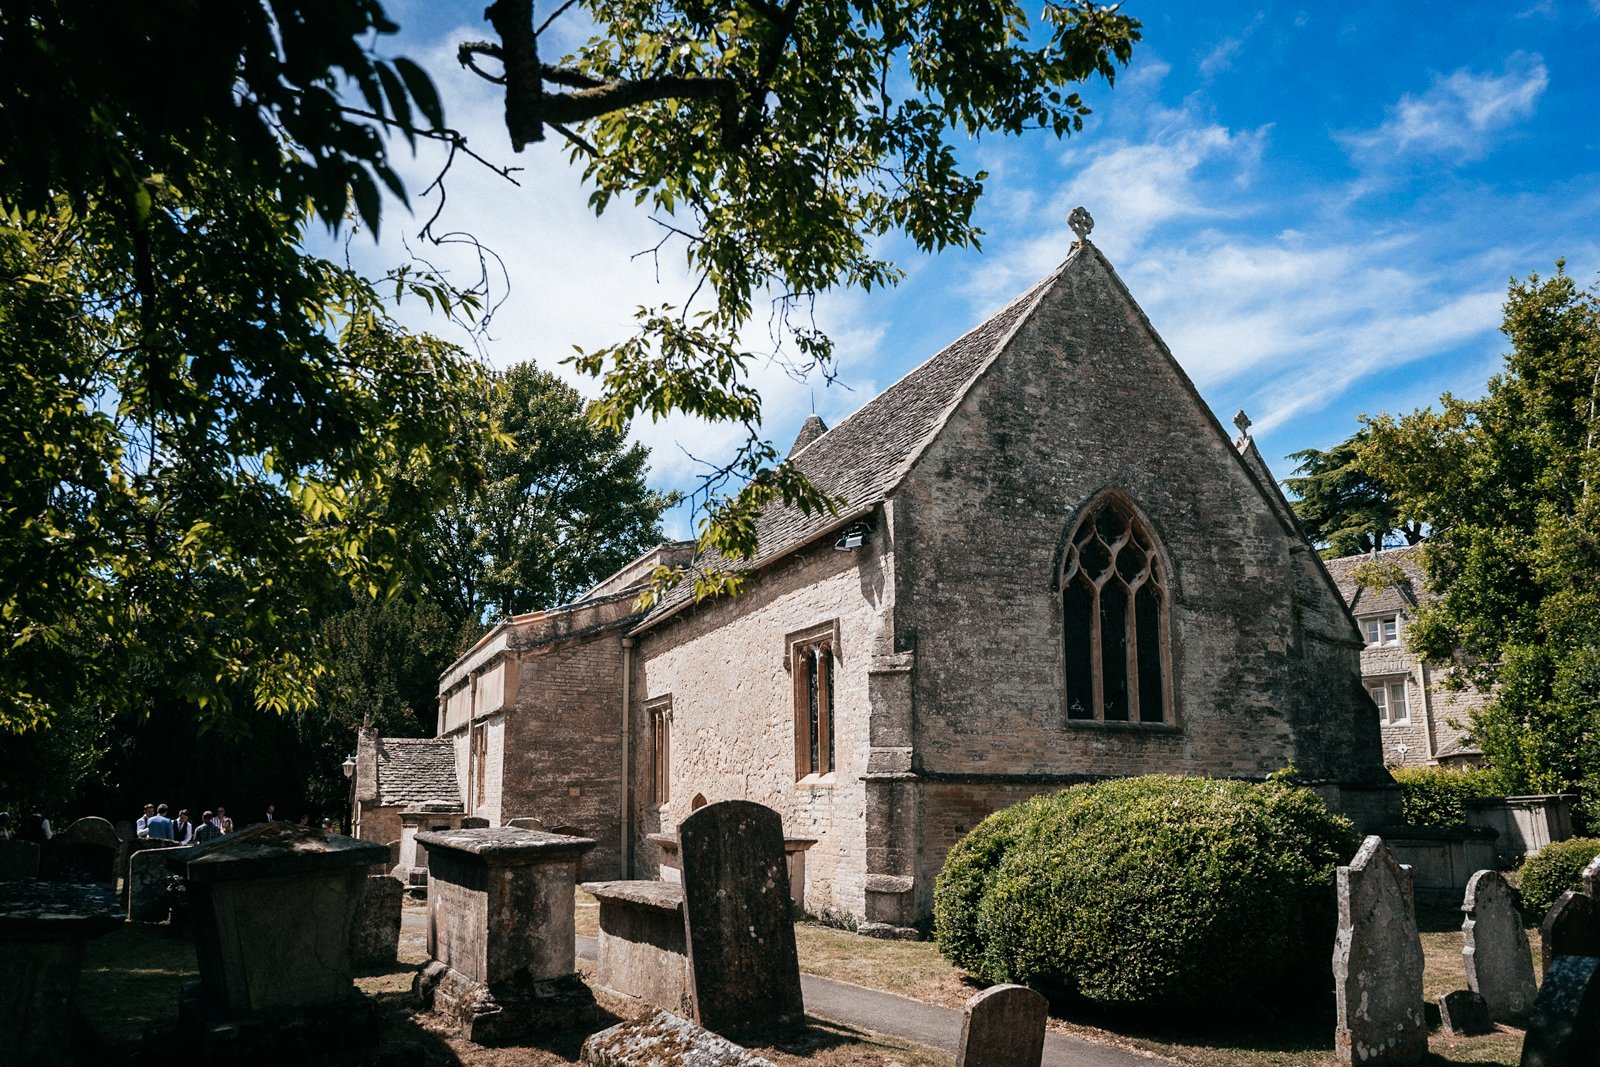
[
  {"x": 1343, "y": 509},
  {"x": 1509, "y": 486},
  {"x": 563, "y": 504}
]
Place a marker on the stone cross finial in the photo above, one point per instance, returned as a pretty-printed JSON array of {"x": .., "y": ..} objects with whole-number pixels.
[
  {"x": 1241, "y": 420},
  {"x": 1081, "y": 222}
]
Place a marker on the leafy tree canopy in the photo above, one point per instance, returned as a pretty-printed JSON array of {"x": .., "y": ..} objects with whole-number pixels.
[
  {"x": 562, "y": 505},
  {"x": 1342, "y": 507},
  {"x": 1510, "y": 488}
]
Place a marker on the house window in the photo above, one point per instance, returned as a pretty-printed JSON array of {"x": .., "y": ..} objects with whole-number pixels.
[
  {"x": 812, "y": 659},
  {"x": 660, "y": 712},
  {"x": 1391, "y": 698},
  {"x": 1384, "y": 630},
  {"x": 1115, "y": 619}
]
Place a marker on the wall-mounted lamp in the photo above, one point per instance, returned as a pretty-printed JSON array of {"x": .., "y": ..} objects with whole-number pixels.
[
  {"x": 349, "y": 766},
  {"x": 854, "y": 536}
]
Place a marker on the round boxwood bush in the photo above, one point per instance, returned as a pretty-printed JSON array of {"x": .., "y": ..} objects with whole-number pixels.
[
  {"x": 1555, "y": 870},
  {"x": 1148, "y": 891}
]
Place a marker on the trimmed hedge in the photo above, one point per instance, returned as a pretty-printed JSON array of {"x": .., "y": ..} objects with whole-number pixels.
[
  {"x": 1437, "y": 796},
  {"x": 1148, "y": 891},
  {"x": 1554, "y": 871}
]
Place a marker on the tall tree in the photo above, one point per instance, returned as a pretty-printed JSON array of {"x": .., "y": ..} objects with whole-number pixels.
[
  {"x": 562, "y": 505},
  {"x": 1510, "y": 488},
  {"x": 1342, "y": 507},
  {"x": 208, "y": 434}
]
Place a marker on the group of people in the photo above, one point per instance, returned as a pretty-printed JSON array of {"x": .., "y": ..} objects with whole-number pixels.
[
  {"x": 155, "y": 822},
  {"x": 33, "y": 827}
]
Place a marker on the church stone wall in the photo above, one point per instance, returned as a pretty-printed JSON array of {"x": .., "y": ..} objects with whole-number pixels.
[
  {"x": 1264, "y": 658},
  {"x": 723, "y": 664},
  {"x": 562, "y": 758}
]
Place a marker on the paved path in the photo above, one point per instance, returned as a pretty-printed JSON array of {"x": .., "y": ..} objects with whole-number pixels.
[
  {"x": 925, "y": 1024},
  {"x": 902, "y": 1017}
]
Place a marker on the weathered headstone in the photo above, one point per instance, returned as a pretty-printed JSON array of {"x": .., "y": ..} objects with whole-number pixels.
[
  {"x": 272, "y": 908},
  {"x": 1377, "y": 963},
  {"x": 474, "y": 822},
  {"x": 376, "y": 935},
  {"x": 19, "y": 861},
  {"x": 1495, "y": 948},
  {"x": 501, "y": 928},
  {"x": 1463, "y": 1013},
  {"x": 44, "y": 928},
  {"x": 394, "y": 857},
  {"x": 1570, "y": 928},
  {"x": 736, "y": 912},
  {"x": 664, "y": 1038},
  {"x": 1003, "y": 1027},
  {"x": 149, "y": 886},
  {"x": 86, "y": 851},
  {"x": 529, "y": 823},
  {"x": 1564, "y": 1029},
  {"x": 1591, "y": 877}
]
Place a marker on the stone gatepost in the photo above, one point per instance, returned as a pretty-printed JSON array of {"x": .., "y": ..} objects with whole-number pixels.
[
  {"x": 1377, "y": 963},
  {"x": 501, "y": 929},
  {"x": 44, "y": 929},
  {"x": 272, "y": 909}
]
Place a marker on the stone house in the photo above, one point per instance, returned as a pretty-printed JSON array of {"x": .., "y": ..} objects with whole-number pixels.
[
  {"x": 1049, "y": 564},
  {"x": 1422, "y": 721}
]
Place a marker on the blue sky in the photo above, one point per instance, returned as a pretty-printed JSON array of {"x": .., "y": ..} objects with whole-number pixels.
[{"x": 1317, "y": 205}]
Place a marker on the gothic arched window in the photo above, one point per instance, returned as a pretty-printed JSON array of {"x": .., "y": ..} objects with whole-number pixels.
[{"x": 1114, "y": 619}]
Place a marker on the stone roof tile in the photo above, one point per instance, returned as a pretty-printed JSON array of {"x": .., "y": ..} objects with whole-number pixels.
[
  {"x": 861, "y": 460},
  {"x": 1365, "y": 600},
  {"x": 414, "y": 770}
]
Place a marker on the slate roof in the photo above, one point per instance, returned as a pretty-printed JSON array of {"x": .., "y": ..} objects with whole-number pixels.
[
  {"x": 415, "y": 770},
  {"x": 1390, "y": 599},
  {"x": 862, "y": 459}
]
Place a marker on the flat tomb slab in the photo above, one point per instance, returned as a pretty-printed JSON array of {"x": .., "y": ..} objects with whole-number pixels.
[{"x": 643, "y": 950}]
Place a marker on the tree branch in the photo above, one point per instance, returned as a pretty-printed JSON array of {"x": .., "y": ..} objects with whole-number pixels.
[{"x": 468, "y": 49}]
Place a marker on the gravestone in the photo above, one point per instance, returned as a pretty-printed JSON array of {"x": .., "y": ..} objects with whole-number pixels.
[
  {"x": 1591, "y": 877},
  {"x": 271, "y": 908},
  {"x": 19, "y": 861},
  {"x": 736, "y": 910},
  {"x": 664, "y": 1038},
  {"x": 125, "y": 855},
  {"x": 474, "y": 822},
  {"x": 529, "y": 823},
  {"x": 44, "y": 929},
  {"x": 1377, "y": 963},
  {"x": 1495, "y": 948},
  {"x": 86, "y": 851},
  {"x": 1002, "y": 1027},
  {"x": 501, "y": 928},
  {"x": 1570, "y": 928},
  {"x": 1463, "y": 1013},
  {"x": 394, "y": 857},
  {"x": 1564, "y": 1028},
  {"x": 376, "y": 935},
  {"x": 149, "y": 889}
]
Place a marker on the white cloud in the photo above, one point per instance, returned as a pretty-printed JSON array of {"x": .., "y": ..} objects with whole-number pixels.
[
  {"x": 1219, "y": 59},
  {"x": 1457, "y": 117}
]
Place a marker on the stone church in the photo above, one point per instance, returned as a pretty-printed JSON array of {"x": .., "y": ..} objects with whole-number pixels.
[{"x": 1051, "y": 565}]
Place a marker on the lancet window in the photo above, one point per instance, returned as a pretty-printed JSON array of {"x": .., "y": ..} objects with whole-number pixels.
[{"x": 1115, "y": 605}]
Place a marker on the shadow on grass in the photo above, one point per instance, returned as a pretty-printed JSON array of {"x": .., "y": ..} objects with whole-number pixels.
[{"x": 1304, "y": 1028}]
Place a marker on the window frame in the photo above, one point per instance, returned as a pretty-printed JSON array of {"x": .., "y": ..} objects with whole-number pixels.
[
  {"x": 800, "y": 647},
  {"x": 1375, "y": 630},
  {"x": 659, "y": 711},
  {"x": 1160, "y": 577},
  {"x": 1384, "y": 687}
]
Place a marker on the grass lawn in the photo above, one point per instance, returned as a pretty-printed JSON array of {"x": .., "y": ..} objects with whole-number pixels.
[{"x": 132, "y": 978}]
